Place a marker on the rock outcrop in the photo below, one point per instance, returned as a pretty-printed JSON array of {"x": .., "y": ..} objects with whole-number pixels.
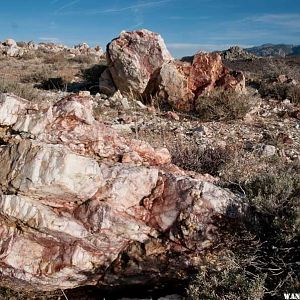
[
  {"x": 237, "y": 53},
  {"x": 10, "y": 48},
  {"x": 141, "y": 66},
  {"x": 13, "y": 49},
  {"x": 134, "y": 57},
  {"x": 180, "y": 83},
  {"x": 80, "y": 205}
]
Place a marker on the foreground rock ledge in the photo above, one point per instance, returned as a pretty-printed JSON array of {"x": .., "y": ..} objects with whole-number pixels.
[{"x": 80, "y": 205}]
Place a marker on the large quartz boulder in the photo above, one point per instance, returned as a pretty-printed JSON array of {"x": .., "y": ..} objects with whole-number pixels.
[
  {"x": 80, "y": 205},
  {"x": 134, "y": 57}
]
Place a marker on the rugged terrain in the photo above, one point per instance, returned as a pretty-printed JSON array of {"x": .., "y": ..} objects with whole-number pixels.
[
  {"x": 280, "y": 50},
  {"x": 211, "y": 207}
]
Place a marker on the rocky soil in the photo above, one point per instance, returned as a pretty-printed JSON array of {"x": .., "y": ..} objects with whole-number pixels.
[{"x": 127, "y": 184}]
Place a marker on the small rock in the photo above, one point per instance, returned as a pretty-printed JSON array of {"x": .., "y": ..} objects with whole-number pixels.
[
  {"x": 122, "y": 128},
  {"x": 286, "y": 102},
  {"x": 292, "y": 154},
  {"x": 84, "y": 94},
  {"x": 268, "y": 150},
  {"x": 106, "y": 103},
  {"x": 222, "y": 144},
  {"x": 10, "y": 43},
  {"x": 201, "y": 129},
  {"x": 125, "y": 119},
  {"x": 151, "y": 109},
  {"x": 293, "y": 82},
  {"x": 116, "y": 97},
  {"x": 284, "y": 138},
  {"x": 125, "y": 103},
  {"x": 248, "y": 146},
  {"x": 141, "y": 105},
  {"x": 172, "y": 115},
  {"x": 282, "y": 78},
  {"x": 131, "y": 157}
]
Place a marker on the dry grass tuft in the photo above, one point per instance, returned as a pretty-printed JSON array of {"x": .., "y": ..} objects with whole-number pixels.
[
  {"x": 189, "y": 156},
  {"x": 21, "y": 90},
  {"x": 38, "y": 76},
  {"x": 57, "y": 58},
  {"x": 84, "y": 59},
  {"x": 222, "y": 105}
]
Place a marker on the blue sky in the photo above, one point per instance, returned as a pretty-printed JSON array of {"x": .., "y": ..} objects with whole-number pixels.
[{"x": 186, "y": 25}]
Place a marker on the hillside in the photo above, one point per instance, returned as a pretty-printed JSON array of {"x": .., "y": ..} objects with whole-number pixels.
[
  {"x": 133, "y": 175},
  {"x": 278, "y": 50}
]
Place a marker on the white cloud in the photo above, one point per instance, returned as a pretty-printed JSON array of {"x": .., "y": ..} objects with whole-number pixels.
[
  {"x": 50, "y": 39},
  {"x": 187, "y": 18},
  {"x": 291, "y": 21},
  {"x": 137, "y": 6},
  {"x": 67, "y": 5}
]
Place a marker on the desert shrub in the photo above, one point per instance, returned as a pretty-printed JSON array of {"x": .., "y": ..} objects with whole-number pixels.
[
  {"x": 38, "y": 76},
  {"x": 55, "y": 58},
  {"x": 21, "y": 90},
  {"x": 84, "y": 59},
  {"x": 273, "y": 90},
  {"x": 55, "y": 83},
  {"x": 8, "y": 294},
  {"x": 293, "y": 93},
  {"x": 229, "y": 281},
  {"x": 275, "y": 199},
  {"x": 93, "y": 73},
  {"x": 280, "y": 91},
  {"x": 189, "y": 156},
  {"x": 91, "y": 77},
  {"x": 21, "y": 44},
  {"x": 277, "y": 195},
  {"x": 41, "y": 53},
  {"x": 283, "y": 67},
  {"x": 222, "y": 105},
  {"x": 266, "y": 68},
  {"x": 261, "y": 255},
  {"x": 28, "y": 55}
]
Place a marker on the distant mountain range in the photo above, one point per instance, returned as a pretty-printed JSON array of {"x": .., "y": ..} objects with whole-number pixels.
[{"x": 280, "y": 50}]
